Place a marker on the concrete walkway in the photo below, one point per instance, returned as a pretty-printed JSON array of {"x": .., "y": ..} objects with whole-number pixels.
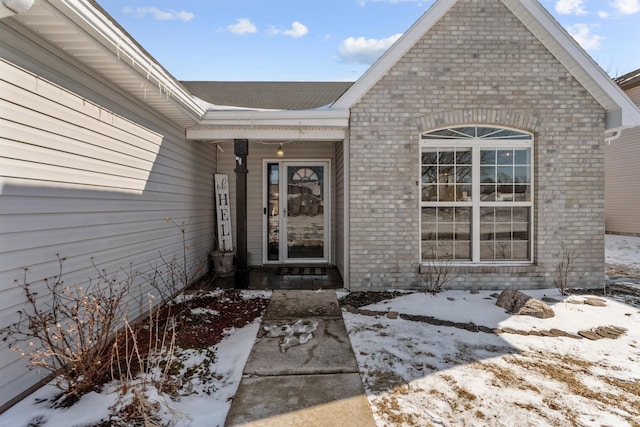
[{"x": 312, "y": 384}]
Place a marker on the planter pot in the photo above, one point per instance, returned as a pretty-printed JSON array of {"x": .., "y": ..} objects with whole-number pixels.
[{"x": 223, "y": 263}]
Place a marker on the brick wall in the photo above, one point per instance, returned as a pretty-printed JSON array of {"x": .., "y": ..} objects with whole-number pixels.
[{"x": 478, "y": 64}]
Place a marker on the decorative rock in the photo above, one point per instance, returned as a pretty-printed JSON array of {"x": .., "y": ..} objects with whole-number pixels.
[
  {"x": 558, "y": 332},
  {"x": 485, "y": 329},
  {"x": 516, "y": 302},
  {"x": 451, "y": 298},
  {"x": 547, "y": 334},
  {"x": 497, "y": 331},
  {"x": 550, "y": 300},
  {"x": 535, "y": 333},
  {"x": 596, "y": 302},
  {"x": 392, "y": 315},
  {"x": 508, "y": 331}
]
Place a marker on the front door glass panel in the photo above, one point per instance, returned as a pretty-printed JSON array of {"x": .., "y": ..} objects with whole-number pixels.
[
  {"x": 273, "y": 211},
  {"x": 305, "y": 216}
]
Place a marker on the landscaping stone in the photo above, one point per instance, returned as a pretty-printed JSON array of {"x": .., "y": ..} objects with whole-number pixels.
[
  {"x": 596, "y": 302},
  {"x": 516, "y": 302},
  {"x": 392, "y": 315},
  {"x": 589, "y": 335}
]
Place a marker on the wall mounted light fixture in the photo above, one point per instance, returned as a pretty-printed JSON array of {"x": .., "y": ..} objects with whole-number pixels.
[{"x": 280, "y": 151}]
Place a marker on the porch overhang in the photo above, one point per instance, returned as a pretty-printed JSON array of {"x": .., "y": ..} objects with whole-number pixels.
[{"x": 280, "y": 125}]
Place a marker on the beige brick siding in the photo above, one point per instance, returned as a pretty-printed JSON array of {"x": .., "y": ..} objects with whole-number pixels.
[{"x": 478, "y": 64}]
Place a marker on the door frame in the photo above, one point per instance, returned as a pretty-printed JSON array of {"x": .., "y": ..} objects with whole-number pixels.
[{"x": 326, "y": 163}]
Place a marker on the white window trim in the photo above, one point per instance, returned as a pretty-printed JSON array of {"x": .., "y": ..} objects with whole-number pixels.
[{"x": 476, "y": 145}]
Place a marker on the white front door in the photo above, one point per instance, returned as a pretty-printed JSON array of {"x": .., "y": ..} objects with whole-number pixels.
[{"x": 296, "y": 212}]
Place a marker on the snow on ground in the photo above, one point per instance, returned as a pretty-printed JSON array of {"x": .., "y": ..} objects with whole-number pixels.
[
  {"x": 623, "y": 252},
  {"x": 418, "y": 374}
]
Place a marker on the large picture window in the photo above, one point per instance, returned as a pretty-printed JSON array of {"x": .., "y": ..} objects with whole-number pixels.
[{"x": 476, "y": 194}]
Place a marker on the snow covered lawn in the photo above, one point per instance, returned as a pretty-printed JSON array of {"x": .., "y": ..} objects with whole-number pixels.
[{"x": 418, "y": 374}]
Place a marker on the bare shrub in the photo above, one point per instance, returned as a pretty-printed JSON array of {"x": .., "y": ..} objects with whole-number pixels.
[
  {"x": 436, "y": 274},
  {"x": 69, "y": 331},
  {"x": 143, "y": 356},
  {"x": 565, "y": 269}
]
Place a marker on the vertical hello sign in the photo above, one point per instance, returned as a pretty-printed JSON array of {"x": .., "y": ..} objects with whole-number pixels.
[{"x": 223, "y": 209}]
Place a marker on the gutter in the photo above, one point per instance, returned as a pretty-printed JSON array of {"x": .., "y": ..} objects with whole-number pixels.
[
  {"x": 14, "y": 7},
  {"x": 95, "y": 22},
  {"x": 612, "y": 137}
]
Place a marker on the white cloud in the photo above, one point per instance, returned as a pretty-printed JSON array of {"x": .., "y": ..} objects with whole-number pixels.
[
  {"x": 626, "y": 7},
  {"x": 585, "y": 38},
  {"x": 243, "y": 26},
  {"x": 570, "y": 7},
  {"x": 364, "y": 51},
  {"x": 160, "y": 15},
  {"x": 296, "y": 31},
  {"x": 603, "y": 14}
]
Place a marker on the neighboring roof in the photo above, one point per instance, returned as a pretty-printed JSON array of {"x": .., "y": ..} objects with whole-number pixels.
[
  {"x": 629, "y": 80},
  {"x": 621, "y": 111},
  {"x": 83, "y": 30},
  {"x": 268, "y": 95}
]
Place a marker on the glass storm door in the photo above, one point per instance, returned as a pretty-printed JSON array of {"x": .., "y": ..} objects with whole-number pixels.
[{"x": 297, "y": 218}]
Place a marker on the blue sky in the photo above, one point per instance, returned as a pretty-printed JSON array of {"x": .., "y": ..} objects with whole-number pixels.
[{"x": 330, "y": 40}]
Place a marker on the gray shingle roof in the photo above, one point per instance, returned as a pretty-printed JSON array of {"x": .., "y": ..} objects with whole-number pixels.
[
  {"x": 629, "y": 80},
  {"x": 268, "y": 95}
]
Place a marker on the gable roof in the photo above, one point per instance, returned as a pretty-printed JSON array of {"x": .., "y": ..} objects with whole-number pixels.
[
  {"x": 268, "y": 95},
  {"x": 621, "y": 111}
]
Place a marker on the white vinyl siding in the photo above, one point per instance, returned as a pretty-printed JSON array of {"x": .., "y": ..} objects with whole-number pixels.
[
  {"x": 621, "y": 180},
  {"x": 86, "y": 182}
]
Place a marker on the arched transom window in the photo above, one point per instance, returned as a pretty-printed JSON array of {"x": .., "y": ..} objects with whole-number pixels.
[{"x": 476, "y": 194}]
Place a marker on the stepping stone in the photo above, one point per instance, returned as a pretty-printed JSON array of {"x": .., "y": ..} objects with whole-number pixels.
[
  {"x": 392, "y": 315},
  {"x": 589, "y": 335},
  {"x": 620, "y": 329},
  {"x": 595, "y": 302},
  {"x": 547, "y": 334},
  {"x": 508, "y": 331},
  {"x": 535, "y": 333},
  {"x": 604, "y": 333},
  {"x": 485, "y": 330}
]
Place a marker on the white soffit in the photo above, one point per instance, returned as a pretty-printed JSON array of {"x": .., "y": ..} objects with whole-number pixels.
[{"x": 84, "y": 32}]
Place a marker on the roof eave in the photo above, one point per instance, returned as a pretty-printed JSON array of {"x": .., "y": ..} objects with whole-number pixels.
[
  {"x": 111, "y": 43},
  {"x": 393, "y": 54},
  {"x": 299, "y": 125},
  {"x": 620, "y": 110}
]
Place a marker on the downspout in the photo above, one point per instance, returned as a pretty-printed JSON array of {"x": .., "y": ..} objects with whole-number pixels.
[{"x": 14, "y": 7}]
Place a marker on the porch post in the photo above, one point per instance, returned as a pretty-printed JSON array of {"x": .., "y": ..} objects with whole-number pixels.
[{"x": 241, "y": 150}]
